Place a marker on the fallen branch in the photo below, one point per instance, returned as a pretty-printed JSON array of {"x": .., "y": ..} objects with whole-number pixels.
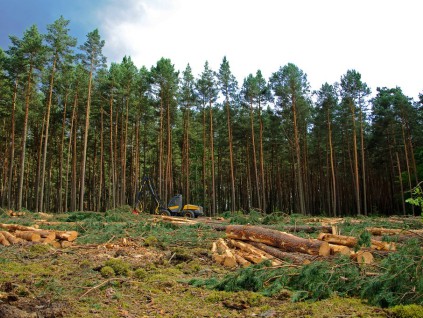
[{"x": 101, "y": 284}]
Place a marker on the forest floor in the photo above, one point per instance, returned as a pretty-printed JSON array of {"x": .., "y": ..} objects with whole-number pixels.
[{"x": 152, "y": 264}]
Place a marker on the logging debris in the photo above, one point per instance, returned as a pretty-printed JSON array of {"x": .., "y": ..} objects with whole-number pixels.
[
  {"x": 13, "y": 234},
  {"x": 245, "y": 245}
]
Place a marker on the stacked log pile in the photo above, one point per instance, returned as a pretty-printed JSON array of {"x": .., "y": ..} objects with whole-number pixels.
[
  {"x": 12, "y": 234},
  {"x": 245, "y": 245}
]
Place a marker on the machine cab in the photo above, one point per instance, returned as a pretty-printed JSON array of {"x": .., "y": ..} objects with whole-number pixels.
[{"x": 175, "y": 204}]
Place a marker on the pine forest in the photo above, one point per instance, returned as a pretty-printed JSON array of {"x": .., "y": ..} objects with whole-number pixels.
[{"x": 78, "y": 134}]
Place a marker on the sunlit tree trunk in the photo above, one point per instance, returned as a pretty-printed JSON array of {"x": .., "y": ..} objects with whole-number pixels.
[
  {"x": 332, "y": 165},
  {"x": 24, "y": 136},
  {"x": 355, "y": 154},
  {"x": 253, "y": 143},
  {"x": 46, "y": 134},
  {"x": 12, "y": 148},
  {"x": 213, "y": 185}
]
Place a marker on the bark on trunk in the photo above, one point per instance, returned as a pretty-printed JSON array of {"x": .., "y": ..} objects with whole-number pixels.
[
  {"x": 285, "y": 241},
  {"x": 295, "y": 258},
  {"x": 351, "y": 241}
]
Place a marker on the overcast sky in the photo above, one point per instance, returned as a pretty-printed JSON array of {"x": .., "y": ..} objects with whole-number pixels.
[{"x": 381, "y": 39}]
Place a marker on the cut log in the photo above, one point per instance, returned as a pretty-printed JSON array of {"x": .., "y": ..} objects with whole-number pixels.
[
  {"x": 241, "y": 260},
  {"x": 55, "y": 244},
  {"x": 3, "y": 240},
  {"x": 379, "y": 231},
  {"x": 256, "y": 252},
  {"x": 16, "y": 227},
  {"x": 11, "y": 238},
  {"x": 363, "y": 257},
  {"x": 30, "y": 236},
  {"x": 285, "y": 241},
  {"x": 339, "y": 249},
  {"x": 66, "y": 235},
  {"x": 51, "y": 235},
  {"x": 351, "y": 241},
  {"x": 223, "y": 255},
  {"x": 295, "y": 258}
]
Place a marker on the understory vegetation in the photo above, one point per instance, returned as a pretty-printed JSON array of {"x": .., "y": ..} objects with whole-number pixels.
[
  {"x": 398, "y": 280},
  {"x": 124, "y": 264}
]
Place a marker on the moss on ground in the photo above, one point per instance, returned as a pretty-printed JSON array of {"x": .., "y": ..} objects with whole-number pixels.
[{"x": 148, "y": 278}]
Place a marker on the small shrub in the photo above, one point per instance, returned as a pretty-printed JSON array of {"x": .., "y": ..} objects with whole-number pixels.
[
  {"x": 38, "y": 249},
  {"x": 119, "y": 266},
  {"x": 107, "y": 271},
  {"x": 407, "y": 311},
  {"x": 151, "y": 241},
  {"x": 416, "y": 197},
  {"x": 140, "y": 273}
]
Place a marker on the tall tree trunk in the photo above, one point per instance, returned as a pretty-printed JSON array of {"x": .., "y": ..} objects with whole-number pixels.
[
  {"x": 112, "y": 161},
  {"x": 231, "y": 159},
  {"x": 169, "y": 173},
  {"x": 263, "y": 192},
  {"x": 100, "y": 181},
  {"x": 400, "y": 182},
  {"x": 204, "y": 156},
  {"x": 39, "y": 145},
  {"x": 355, "y": 151},
  {"x": 72, "y": 141},
  {"x": 363, "y": 165},
  {"x": 332, "y": 166},
  {"x": 253, "y": 143},
  {"x": 61, "y": 147},
  {"x": 213, "y": 187},
  {"x": 24, "y": 135},
  {"x": 160, "y": 142},
  {"x": 84, "y": 151},
  {"x": 12, "y": 148},
  {"x": 123, "y": 157},
  {"x": 298, "y": 158},
  {"x": 185, "y": 155},
  {"x": 50, "y": 96}
]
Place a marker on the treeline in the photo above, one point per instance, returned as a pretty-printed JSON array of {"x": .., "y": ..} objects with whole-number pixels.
[{"x": 78, "y": 135}]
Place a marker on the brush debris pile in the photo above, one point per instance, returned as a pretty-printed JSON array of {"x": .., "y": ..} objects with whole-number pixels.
[{"x": 245, "y": 245}]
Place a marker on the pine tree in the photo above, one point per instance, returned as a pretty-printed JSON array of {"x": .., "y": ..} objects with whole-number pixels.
[
  {"x": 291, "y": 88},
  {"x": 60, "y": 48},
  {"x": 31, "y": 51},
  {"x": 228, "y": 87},
  {"x": 207, "y": 91},
  {"x": 91, "y": 58}
]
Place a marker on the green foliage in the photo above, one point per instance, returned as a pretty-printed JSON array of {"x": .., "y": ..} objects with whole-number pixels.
[
  {"x": 107, "y": 272},
  {"x": 151, "y": 241},
  {"x": 364, "y": 240},
  {"x": 320, "y": 280},
  {"x": 140, "y": 273},
  {"x": 119, "y": 266},
  {"x": 239, "y": 217},
  {"x": 416, "y": 197},
  {"x": 407, "y": 311},
  {"x": 83, "y": 216},
  {"x": 401, "y": 281}
]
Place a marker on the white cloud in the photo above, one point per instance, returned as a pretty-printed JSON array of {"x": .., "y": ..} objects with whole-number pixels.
[{"x": 380, "y": 39}]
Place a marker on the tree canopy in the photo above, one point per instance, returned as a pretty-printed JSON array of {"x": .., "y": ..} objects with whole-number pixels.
[{"x": 77, "y": 134}]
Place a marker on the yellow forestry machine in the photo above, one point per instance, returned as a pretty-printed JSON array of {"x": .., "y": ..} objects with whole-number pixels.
[{"x": 174, "y": 207}]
